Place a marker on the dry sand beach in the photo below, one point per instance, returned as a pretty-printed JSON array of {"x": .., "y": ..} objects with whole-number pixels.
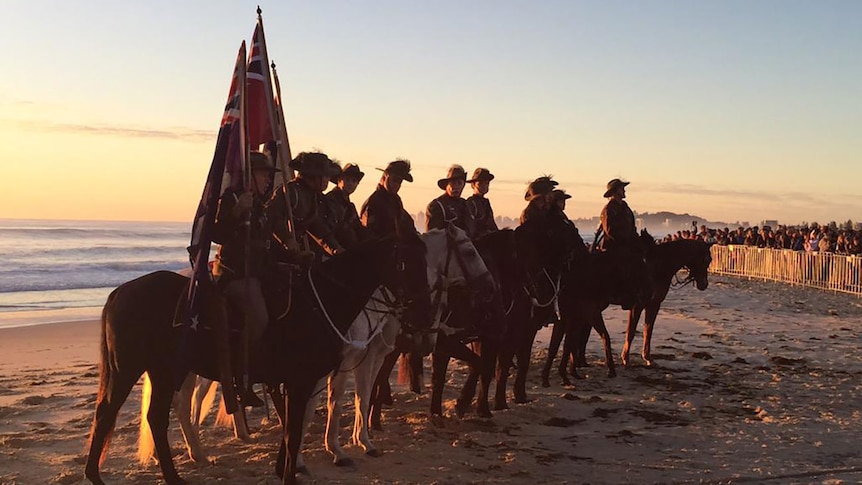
[{"x": 755, "y": 382}]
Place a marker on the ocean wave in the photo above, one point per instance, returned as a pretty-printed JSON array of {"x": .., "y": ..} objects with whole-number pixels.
[{"x": 25, "y": 255}]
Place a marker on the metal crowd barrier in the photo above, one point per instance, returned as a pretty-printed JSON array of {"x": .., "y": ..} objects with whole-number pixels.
[{"x": 834, "y": 272}]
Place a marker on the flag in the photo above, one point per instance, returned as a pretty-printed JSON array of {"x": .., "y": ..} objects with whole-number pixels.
[
  {"x": 228, "y": 171},
  {"x": 261, "y": 107}
]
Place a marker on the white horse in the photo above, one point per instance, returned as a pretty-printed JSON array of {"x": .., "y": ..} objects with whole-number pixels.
[{"x": 450, "y": 259}]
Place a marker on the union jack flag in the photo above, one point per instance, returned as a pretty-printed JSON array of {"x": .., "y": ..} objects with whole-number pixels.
[{"x": 261, "y": 107}]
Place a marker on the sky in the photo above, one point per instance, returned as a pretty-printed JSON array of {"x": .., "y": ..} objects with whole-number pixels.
[{"x": 729, "y": 110}]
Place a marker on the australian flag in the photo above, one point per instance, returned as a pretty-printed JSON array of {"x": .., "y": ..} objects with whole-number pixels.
[{"x": 227, "y": 172}]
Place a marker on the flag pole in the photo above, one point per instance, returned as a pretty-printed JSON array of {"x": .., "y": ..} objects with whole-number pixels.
[{"x": 276, "y": 116}]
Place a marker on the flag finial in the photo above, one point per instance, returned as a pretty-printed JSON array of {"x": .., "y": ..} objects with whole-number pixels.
[
  {"x": 272, "y": 64},
  {"x": 259, "y": 11}
]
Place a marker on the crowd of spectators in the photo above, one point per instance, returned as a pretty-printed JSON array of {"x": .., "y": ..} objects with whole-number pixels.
[{"x": 809, "y": 237}]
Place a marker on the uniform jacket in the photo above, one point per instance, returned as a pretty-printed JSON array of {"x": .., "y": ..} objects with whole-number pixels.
[
  {"x": 232, "y": 233},
  {"x": 481, "y": 216},
  {"x": 344, "y": 218},
  {"x": 308, "y": 218},
  {"x": 381, "y": 211},
  {"x": 618, "y": 224},
  {"x": 445, "y": 209}
]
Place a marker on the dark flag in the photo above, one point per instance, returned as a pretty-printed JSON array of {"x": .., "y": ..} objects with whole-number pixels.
[{"x": 227, "y": 171}]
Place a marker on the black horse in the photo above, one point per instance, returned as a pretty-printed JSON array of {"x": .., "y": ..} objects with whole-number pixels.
[
  {"x": 542, "y": 245},
  {"x": 138, "y": 336},
  {"x": 591, "y": 283},
  {"x": 665, "y": 261}
]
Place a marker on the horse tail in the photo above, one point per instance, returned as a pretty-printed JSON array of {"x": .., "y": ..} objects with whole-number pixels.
[
  {"x": 223, "y": 419},
  {"x": 146, "y": 446}
]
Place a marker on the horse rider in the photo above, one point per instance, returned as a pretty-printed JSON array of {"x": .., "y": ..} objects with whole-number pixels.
[
  {"x": 383, "y": 212},
  {"x": 479, "y": 211},
  {"x": 305, "y": 193},
  {"x": 537, "y": 198},
  {"x": 619, "y": 231},
  {"x": 243, "y": 228},
  {"x": 345, "y": 219},
  {"x": 449, "y": 207}
]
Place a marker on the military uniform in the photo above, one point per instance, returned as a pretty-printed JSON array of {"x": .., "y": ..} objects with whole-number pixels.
[
  {"x": 481, "y": 216},
  {"x": 445, "y": 209},
  {"x": 308, "y": 218},
  {"x": 382, "y": 211},
  {"x": 618, "y": 225},
  {"x": 343, "y": 218}
]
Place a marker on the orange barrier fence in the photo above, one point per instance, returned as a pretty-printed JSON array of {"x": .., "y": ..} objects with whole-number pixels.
[{"x": 827, "y": 271}]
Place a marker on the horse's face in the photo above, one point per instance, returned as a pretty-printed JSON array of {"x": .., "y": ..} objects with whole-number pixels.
[
  {"x": 543, "y": 246},
  {"x": 454, "y": 260},
  {"x": 698, "y": 266},
  {"x": 409, "y": 282}
]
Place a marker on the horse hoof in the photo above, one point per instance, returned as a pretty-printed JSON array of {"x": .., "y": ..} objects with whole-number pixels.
[
  {"x": 303, "y": 470},
  {"x": 176, "y": 481},
  {"x": 522, "y": 399},
  {"x": 612, "y": 373},
  {"x": 374, "y": 453},
  {"x": 344, "y": 462},
  {"x": 484, "y": 413},
  {"x": 546, "y": 381}
]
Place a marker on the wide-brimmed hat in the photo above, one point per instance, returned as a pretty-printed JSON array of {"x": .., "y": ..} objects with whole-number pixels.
[
  {"x": 559, "y": 194},
  {"x": 540, "y": 186},
  {"x": 481, "y": 175},
  {"x": 399, "y": 168},
  {"x": 456, "y": 172},
  {"x": 315, "y": 163},
  {"x": 613, "y": 185},
  {"x": 351, "y": 170},
  {"x": 259, "y": 161}
]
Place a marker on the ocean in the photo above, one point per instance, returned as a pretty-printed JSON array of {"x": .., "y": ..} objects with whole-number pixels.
[{"x": 57, "y": 271}]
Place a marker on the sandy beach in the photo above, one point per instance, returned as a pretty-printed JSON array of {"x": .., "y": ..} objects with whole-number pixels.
[{"x": 755, "y": 383}]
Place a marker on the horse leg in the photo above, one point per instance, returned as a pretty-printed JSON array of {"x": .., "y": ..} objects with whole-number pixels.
[
  {"x": 363, "y": 377},
  {"x": 183, "y": 409},
  {"x": 297, "y": 397},
  {"x": 439, "y": 364},
  {"x": 524, "y": 355},
  {"x": 488, "y": 359},
  {"x": 468, "y": 392},
  {"x": 158, "y": 417},
  {"x": 649, "y": 326},
  {"x": 631, "y": 330},
  {"x": 579, "y": 350},
  {"x": 114, "y": 388},
  {"x": 557, "y": 334},
  {"x": 337, "y": 384},
  {"x": 599, "y": 325},
  {"x": 415, "y": 367},
  {"x": 381, "y": 393},
  {"x": 504, "y": 363}
]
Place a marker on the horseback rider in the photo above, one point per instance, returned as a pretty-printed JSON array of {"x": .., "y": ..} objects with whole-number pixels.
[
  {"x": 345, "y": 219},
  {"x": 383, "y": 211},
  {"x": 314, "y": 172},
  {"x": 449, "y": 207},
  {"x": 537, "y": 197},
  {"x": 244, "y": 229},
  {"x": 479, "y": 211},
  {"x": 620, "y": 235}
]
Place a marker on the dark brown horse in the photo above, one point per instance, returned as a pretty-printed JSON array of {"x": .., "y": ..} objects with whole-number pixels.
[
  {"x": 138, "y": 336},
  {"x": 665, "y": 261},
  {"x": 591, "y": 283}
]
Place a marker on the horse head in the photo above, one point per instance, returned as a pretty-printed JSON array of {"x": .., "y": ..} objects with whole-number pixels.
[
  {"x": 408, "y": 280},
  {"x": 453, "y": 260},
  {"x": 698, "y": 264}
]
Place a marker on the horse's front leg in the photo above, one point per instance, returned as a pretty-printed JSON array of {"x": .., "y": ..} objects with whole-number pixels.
[
  {"x": 337, "y": 385},
  {"x": 488, "y": 360},
  {"x": 297, "y": 397},
  {"x": 631, "y": 330},
  {"x": 439, "y": 364},
  {"x": 158, "y": 417},
  {"x": 599, "y": 324},
  {"x": 524, "y": 355},
  {"x": 468, "y": 392},
  {"x": 559, "y": 330},
  {"x": 649, "y": 326},
  {"x": 364, "y": 377}
]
